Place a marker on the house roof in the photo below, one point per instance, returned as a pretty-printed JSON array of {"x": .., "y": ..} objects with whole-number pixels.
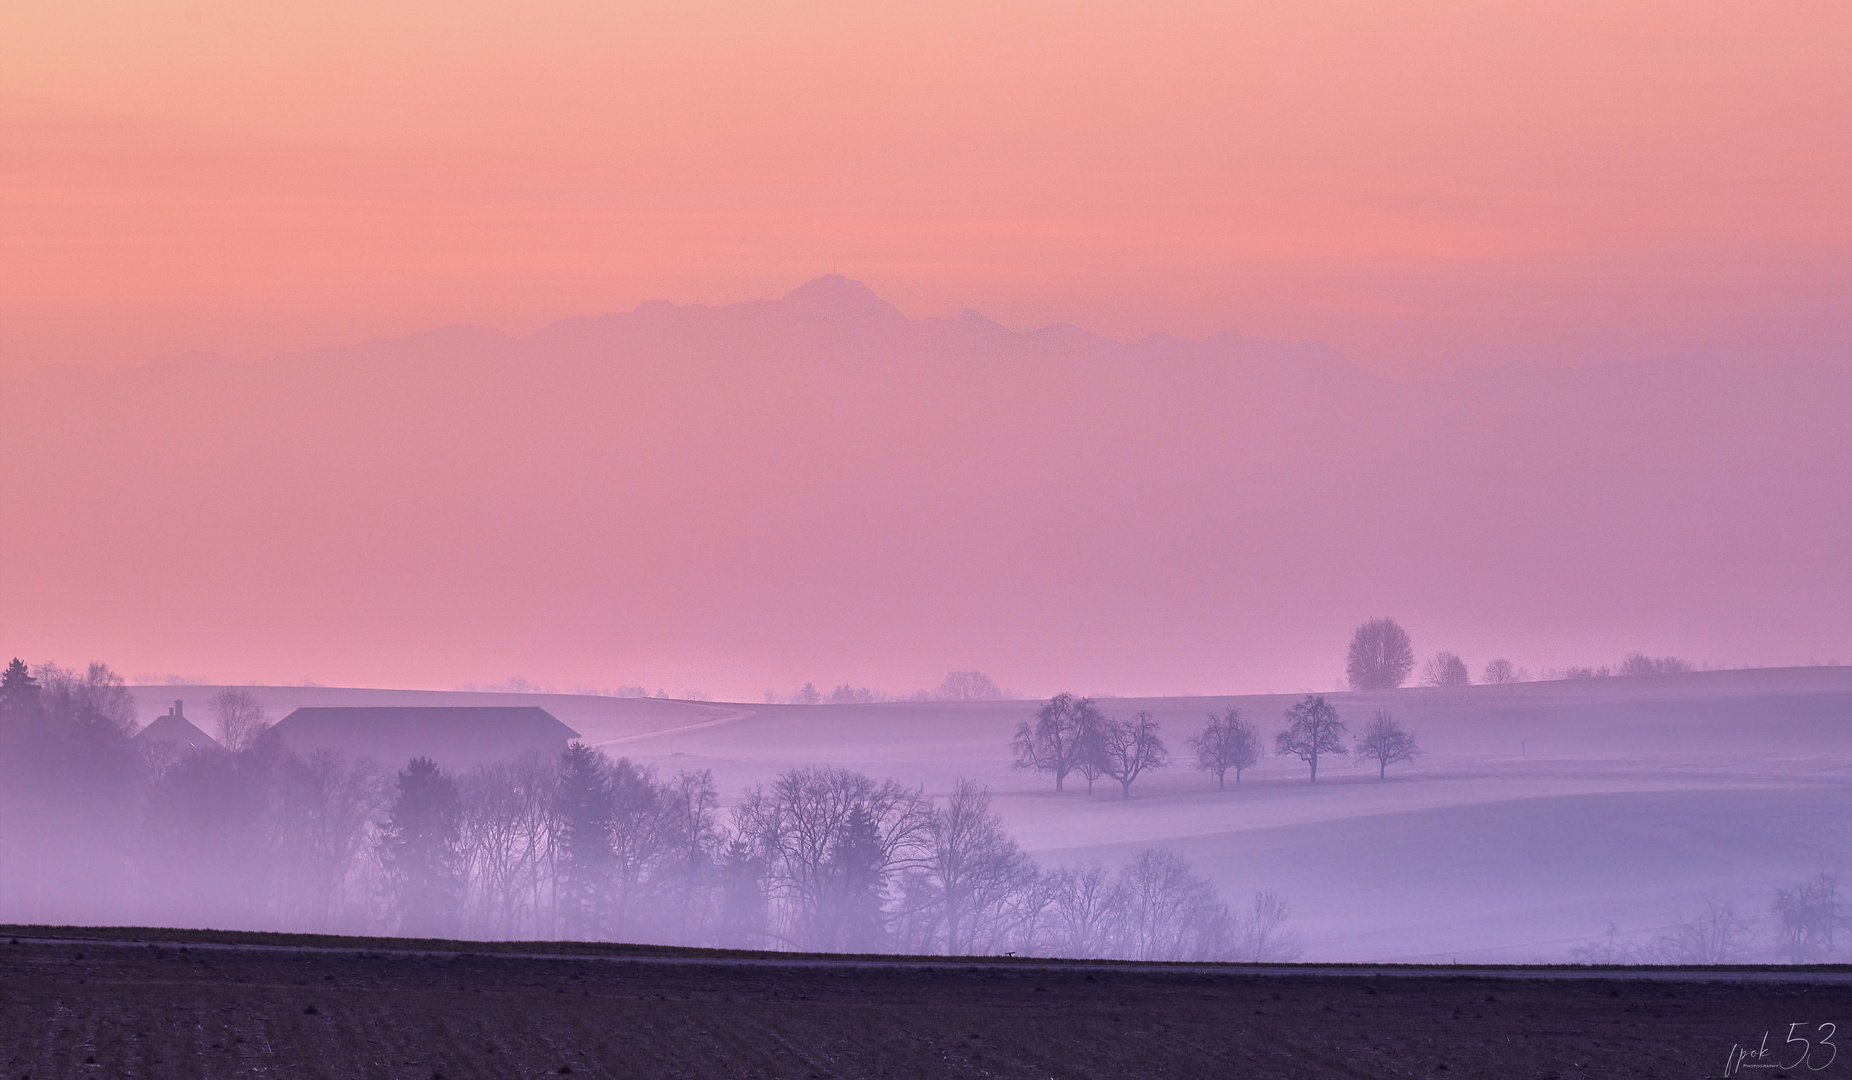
[
  {"x": 456, "y": 737},
  {"x": 176, "y": 729}
]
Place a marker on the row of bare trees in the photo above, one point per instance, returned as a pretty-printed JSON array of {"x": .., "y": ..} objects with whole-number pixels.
[{"x": 1071, "y": 735}]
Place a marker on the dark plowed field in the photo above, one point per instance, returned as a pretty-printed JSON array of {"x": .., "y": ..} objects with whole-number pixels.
[{"x": 107, "y": 1009}]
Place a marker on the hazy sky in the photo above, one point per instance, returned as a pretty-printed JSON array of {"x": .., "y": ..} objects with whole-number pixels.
[
  {"x": 1421, "y": 185},
  {"x": 818, "y": 488},
  {"x": 1592, "y": 259}
]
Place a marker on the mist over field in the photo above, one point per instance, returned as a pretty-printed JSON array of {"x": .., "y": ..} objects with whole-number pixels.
[{"x": 1683, "y": 817}]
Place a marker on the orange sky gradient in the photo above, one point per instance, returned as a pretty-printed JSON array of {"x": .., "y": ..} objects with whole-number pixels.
[{"x": 1423, "y": 186}]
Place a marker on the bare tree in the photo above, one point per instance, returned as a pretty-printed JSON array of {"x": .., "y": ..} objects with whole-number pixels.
[
  {"x": 832, "y": 839},
  {"x": 975, "y": 871},
  {"x": 1501, "y": 671},
  {"x": 1612, "y": 948},
  {"x": 1807, "y": 917},
  {"x": 1168, "y": 913},
  {"x": 240, "y": 716},
  {"x": 1718, "y": 936},
  {"x": 1385, "y": 743},
  {"x": 507, "y": 809},
  {"x": 325, "y": 813},
  {"x": 1228, "y": 742},
  {"x": 1127, "y": 749},
  {"x": 1313, "y": 729},
  {"x": 1642, "y": 664},
  {"x": 641, "y": 834},
  {"x": 1381, "y": 656},
  {"x": 1061, "y": 739},
  {"x": 1445, "y": 669},
  {"x": 968, "y": 686},
  {"x": 1084, "y": 906},
  {"x": 96, "y": 698},
  {"x": 1265, "y": 939}
]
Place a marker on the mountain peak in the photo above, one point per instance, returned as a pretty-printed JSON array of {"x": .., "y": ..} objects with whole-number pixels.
[{"x": 833, "y": 294}]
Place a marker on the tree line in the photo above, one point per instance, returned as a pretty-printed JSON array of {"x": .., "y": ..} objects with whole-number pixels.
[
  {"x": 1382, "y": 657},
  {"x": 98, "y": 829},
  {"x": 956, "y": 686},
  {"x": 1800, "y": 927},
  {"x": 1071, "y": 735}
]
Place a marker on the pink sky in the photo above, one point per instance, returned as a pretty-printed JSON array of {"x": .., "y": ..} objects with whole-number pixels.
[
  {"x": 1420, "y": 185},
  {"x": 1508, "y": 215}
]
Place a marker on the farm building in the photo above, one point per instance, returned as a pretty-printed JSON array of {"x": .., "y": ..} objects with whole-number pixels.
[
  {"x": 455, "y": 737},
  {"x": 173, "y": 728}
]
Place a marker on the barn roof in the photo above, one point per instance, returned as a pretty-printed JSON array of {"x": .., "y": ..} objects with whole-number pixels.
[{"x": 456, "y": 737}]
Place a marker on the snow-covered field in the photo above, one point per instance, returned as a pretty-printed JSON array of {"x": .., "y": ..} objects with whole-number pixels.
[{"x": 1539, "y": 815}]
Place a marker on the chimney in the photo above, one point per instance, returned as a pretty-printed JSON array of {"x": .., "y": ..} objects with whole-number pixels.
[{"x": 176, "y": 709}]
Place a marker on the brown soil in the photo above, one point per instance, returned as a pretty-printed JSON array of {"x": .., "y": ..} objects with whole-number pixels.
[{"x": 111, "y": 1009}]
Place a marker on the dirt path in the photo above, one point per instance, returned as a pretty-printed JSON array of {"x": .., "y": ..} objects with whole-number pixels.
[{"x": 704, "y": 725}]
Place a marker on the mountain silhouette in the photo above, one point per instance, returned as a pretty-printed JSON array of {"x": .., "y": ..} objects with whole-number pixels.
[{"x": 834, "y": 294}]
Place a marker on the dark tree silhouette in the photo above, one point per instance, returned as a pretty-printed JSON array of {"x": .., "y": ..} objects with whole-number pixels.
[
  {"x": 1228, "y": 742},
  {"x": 240, "y": 716},
  {"x": 1062, "y": 738},
  {"x": 1806, "y": 917},
  {"x": 1381, "y": 656},
  {"x": 421, "y": 851},
  {"x": 1127, "y": 749},
  {"x": 1385, "y": 743},
  {"x": 1446, "y": 669},
  {"x": 1313, "y": 729}
]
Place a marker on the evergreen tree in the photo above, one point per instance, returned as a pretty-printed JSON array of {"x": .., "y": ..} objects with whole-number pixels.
[
  {"x": 422, "y": 852},
  {"x": 19, "y": 692},
  {"x": 857, "y": 878},
  {"x": 745, "y": 914},
  {"x": 583, "y": 811}
]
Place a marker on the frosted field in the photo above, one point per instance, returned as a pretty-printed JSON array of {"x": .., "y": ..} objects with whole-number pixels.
[{"x": 1540, "y": 814}]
